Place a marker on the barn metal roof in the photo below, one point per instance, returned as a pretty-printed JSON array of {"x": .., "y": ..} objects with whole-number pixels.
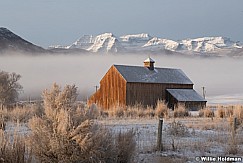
[
  {"x": 158, "y": 75},
  {"x": 185, "y": 95}
]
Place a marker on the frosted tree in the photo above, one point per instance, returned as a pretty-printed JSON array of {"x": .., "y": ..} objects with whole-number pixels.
[{"x": 9, "y": 87}]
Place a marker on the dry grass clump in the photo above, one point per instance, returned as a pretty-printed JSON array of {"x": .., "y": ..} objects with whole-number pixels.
[
  {"x": 136, "y": 111},
  {"x": 2, "y": 123},
  {"x": 116, "y": 111},
  {"x": 21, "y": 114},
  {"x": 125, "y": 144},
  {"x": 231, "y": 111},
  {"x": 181, "y": 111},
  {"x": 67, "y": 134},
  {"x": 224, "y": 112},
  {"x": 131, "y": 112},
  {"x": 13, "y": 149},
  {"x": 206, "y": 112},
  {"x": 177, "y": 129},
  {"x": 238, "y": 113},
  {"x": 149, "y": 112},
  {"x": 161, "y": 109},
  {"x": 221, "y": 112}
]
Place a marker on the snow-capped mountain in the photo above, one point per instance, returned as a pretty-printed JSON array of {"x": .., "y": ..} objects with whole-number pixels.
[
  {"x": 84, "y": 42},
  {"x": 140, "y": 43},
  {"x": 201, "y": 45},
  {"x": 160, "y": 44},
  {"x": 106, "y": 42},
  {"x": 133, "y": 43},
  {"x": 208, "y": 44}
]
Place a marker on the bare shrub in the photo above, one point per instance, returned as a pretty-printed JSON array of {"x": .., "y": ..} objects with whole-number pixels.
[
  {"x": 181, "y": 111},
  {"x": 161, "y": 109},
  {"x": 67, "y": 134},
  {"x": 175, "y": 130}
]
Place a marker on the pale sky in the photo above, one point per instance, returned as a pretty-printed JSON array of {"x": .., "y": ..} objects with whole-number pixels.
[{"x": 47, "y": 22}]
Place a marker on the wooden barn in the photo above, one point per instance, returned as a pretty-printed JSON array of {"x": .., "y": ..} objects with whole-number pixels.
[{"x": 129, "y": 85}]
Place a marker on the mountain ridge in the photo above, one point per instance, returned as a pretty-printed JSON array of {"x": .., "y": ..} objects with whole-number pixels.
[
  {"x": 142, "y": 43},
  {"x": 139, "y": 43}
]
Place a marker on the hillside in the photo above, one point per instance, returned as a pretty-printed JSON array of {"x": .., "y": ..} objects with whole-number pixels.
[{"x": 12, "y": 42}]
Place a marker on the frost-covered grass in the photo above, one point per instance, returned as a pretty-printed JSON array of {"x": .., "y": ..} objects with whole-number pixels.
[{"x": 207, "y": 136}]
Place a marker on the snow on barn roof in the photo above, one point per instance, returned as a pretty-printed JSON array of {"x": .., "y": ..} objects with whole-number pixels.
[
  {"x": 138, "y": 74},
  {"x": 185, "y": 95}
]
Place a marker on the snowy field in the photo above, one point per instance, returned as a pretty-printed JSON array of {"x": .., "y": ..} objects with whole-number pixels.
[{"x": 205, "y": 137}]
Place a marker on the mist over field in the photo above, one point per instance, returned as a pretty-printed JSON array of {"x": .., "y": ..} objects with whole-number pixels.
[{"x": 222, "y": 77}]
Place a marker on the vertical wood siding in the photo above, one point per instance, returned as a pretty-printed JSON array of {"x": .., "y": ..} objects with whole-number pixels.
[
  {"x": 112, "y": 90},
  {"x": 150, "y": 93}
]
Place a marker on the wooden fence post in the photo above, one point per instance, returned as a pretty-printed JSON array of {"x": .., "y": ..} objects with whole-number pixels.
[
  {"x": 159, "y": 139},
  {"x": 234, "y": 124}
]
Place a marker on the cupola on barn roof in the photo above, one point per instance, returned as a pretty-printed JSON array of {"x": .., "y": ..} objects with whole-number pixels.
[
  {"x": 149, "y": 63},
  {"x": 149, "y": 60}
]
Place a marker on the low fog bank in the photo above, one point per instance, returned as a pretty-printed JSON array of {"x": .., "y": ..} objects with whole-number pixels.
[{"x": 220, "y": 76}]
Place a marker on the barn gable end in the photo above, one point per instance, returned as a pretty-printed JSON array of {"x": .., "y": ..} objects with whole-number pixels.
[{"x": 112, "y": 90}]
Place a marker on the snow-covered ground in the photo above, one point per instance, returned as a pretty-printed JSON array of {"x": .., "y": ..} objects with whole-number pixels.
[
  {"x": 233, "y": 99},
  {"x": 206, "y": 137}
]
